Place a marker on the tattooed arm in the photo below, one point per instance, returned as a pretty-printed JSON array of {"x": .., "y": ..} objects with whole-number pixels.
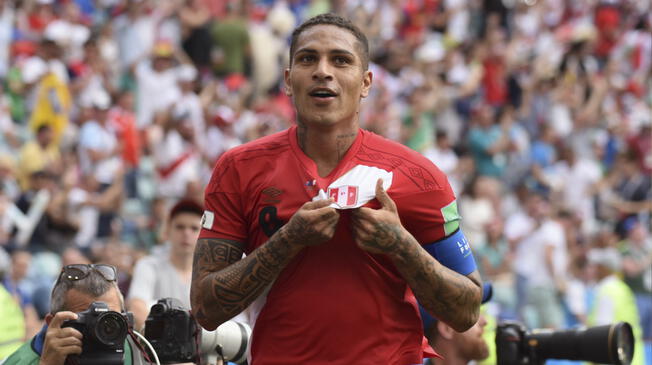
[
  {"x": 449, "y": 296},
  {"x": 223, "y": 285}
]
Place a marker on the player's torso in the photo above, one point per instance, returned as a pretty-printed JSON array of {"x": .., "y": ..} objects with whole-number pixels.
[{"x": 334, "y": 298}]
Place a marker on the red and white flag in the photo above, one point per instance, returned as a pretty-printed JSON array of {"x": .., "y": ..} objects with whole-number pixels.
[{"x": 344, "y": 196}]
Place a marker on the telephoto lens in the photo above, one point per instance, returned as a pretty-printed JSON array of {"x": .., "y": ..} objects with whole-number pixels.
[{"x": 607, "y": 344}]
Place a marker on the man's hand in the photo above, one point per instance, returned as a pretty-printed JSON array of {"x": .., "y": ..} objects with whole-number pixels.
[
  {"x": 60, "y": 342},
  {"x": 314, "y": 223},
  {"x": 378, "y": 230}
]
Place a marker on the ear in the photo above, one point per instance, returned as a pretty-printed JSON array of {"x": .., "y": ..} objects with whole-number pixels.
[
  {"x": 286, "y": 81},
  {"x": 445, "y": 331},
  {"x": 366, "y": 83},
  {"x": 48, "y": 318}
]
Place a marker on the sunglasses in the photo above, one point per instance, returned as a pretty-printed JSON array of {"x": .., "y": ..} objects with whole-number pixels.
[{"x": 79, "y": 271}]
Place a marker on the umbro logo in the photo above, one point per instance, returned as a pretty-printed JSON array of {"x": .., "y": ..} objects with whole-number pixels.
[{"x": 271, "y": 194}]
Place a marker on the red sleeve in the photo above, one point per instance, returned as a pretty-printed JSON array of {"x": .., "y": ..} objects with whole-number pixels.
[
  {"x": 432, "y": 214},
  {"x": 223, "y": 215}
]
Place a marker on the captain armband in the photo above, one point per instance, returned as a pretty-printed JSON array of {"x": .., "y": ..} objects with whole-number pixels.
[{"x": 453, "y": 252}]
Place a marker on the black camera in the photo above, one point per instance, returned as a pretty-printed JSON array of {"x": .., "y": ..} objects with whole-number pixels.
[
  {"x": 172, "y": 332},
  {"x": 176, "y": 337},
  {"x": 104, "y": 334},
  {"x": 608, "y": 344}
]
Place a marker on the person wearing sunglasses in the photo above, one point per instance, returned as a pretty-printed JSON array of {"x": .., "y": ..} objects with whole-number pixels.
[{"x": 76, "y": 288}]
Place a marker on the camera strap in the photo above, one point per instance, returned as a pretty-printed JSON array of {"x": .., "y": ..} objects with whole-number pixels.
[{"x": 136, "y": 345}]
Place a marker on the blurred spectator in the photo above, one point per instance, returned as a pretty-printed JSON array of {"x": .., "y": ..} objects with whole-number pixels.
[
  {"x": 12, "y": 326},
  {"x": 539, "y": 257},
  {"x": 40, "y": 154},
  {"x": 167, "y": 274},
  {"x": 488, "y": 142},
  {"x": 495, "y": 263},
  {"x": 478, "y": 208},
  {"x": 135, "y": 31},
  {"x": 231, "y": 42},
  {"x": 637, "y": 270},
  {"x": 98, "y": 146},
  {"x": 20, "y": 262},
  {"x": 122, "y": 121},
  {"x": 178, "y": 157},
  {"x": 7, "y": 16},
  {"x": 442, "y": 153},
  {"x": 614, "y": 300},
  {"x": 68, "y": 31},
  {"x": 195, "y": 33},
  {"x": 46, "y": 79},
  {"x": 156, "y": 78}
]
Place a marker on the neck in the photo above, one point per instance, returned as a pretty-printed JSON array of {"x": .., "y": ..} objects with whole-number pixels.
[
  {"x": 326, "y": 146},
  {"x": 450, "y": 355}
]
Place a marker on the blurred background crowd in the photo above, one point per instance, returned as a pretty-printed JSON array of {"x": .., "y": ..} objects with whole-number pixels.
[{"x": 539, "y": 112}]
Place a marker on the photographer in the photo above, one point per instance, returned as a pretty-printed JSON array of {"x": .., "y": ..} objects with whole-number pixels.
[
  {"x": 76, "y": 288},
  {"x": 458, "y": 348}
]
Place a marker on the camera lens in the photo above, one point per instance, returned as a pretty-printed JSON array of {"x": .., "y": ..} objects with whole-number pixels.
[
  {"x": 158, "y": 309},
  {"x": 111, "y": 329},
  {"x": 624, "y": 342}
]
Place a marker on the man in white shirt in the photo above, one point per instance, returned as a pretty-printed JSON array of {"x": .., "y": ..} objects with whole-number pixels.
[
  {"x": 99, "y": 150},
  {"x": 167, "y": 274},
  {"x": 540, "y": 263}
]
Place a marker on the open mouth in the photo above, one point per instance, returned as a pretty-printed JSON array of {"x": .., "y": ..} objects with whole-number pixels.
[{"x": 323, "y": 94}]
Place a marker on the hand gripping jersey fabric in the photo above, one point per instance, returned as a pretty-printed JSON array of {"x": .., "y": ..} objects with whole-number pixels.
[{"x": 334, "y": 303}]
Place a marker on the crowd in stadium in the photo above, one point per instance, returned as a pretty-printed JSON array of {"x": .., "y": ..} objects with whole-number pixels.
[{"x": 539, "y": 112}]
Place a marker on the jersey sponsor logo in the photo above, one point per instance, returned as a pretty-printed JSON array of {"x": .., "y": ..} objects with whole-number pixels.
[
  {"x": 207, "y": 219},
  {"x": 451, "y": 217},
  {"x": 345, "y": 196}
]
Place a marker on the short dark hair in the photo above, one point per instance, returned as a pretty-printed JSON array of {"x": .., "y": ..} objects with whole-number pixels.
[
  {"x": 186, "y": 206},
  {"x": 338, "y": 21}
]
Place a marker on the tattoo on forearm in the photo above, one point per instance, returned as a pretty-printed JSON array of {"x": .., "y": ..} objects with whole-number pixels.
[
  {"x": 449, "y": 295},
  {"x": 385, "y": 238},
  {"x": 222, "y": 287}
]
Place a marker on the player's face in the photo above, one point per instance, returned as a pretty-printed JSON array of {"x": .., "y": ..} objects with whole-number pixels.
[
  {"x": 183, "y": 231},
  {"x": 326, "y": 78},
  {"x": 471, "y": 343}
]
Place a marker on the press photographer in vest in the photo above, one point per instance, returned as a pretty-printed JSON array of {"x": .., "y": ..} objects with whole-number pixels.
[{"x": 85, "y": 304}]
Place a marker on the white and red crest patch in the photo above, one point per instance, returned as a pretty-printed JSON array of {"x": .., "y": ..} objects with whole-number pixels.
[{"x": 345, "y": 196}]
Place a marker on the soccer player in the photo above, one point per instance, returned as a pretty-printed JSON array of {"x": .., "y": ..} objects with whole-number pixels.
[{"x": 342, "y": 228}]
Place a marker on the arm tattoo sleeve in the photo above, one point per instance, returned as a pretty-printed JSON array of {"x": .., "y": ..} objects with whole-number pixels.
[
  {"x": 223, "y": 284},
  {"x": 446, "y": 294}
]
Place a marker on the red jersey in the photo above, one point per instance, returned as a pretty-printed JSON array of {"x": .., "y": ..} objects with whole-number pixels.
[{"x": 334, "y": 303}]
